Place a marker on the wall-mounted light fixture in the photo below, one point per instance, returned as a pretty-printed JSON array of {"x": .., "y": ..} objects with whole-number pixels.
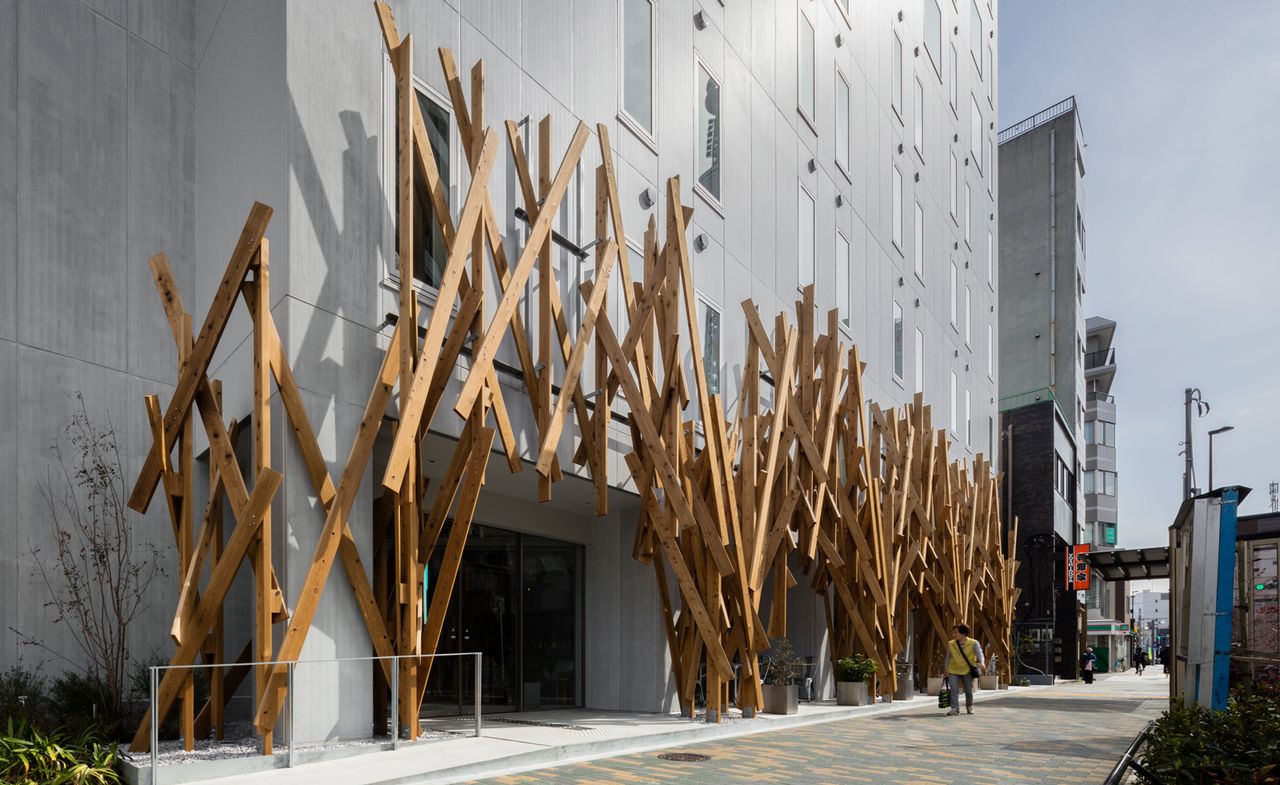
[
  {"x": 839, "y": 200},
  {"x": 700, "y": 20},
  {"x": 700, "y": 242},
  {"x": 648, "y": 198},
  {"x": 812, "y": 165},
  {"x": 839, "y": 40}
]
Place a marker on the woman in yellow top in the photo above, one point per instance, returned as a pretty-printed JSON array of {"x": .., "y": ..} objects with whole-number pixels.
[{"x": 962, "y": 664}]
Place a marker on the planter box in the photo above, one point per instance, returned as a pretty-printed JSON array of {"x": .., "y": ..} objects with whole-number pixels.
[
  {"x": 906, "y": 687},
  {"x": 989, "y": 681},
  {"x": 781, "y": 699},
  {"x": 851, "y": 693},
  {"x": 935, "y": 685}
]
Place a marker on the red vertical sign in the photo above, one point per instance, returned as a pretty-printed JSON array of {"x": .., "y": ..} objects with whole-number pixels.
[{"x": 1077, "y": 568}]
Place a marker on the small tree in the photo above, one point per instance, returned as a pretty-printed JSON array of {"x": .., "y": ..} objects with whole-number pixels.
[{"x": 100, "y": 577}]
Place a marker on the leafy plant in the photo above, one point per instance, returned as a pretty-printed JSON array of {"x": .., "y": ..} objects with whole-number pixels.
[
  {"x": 23, "y": 695},
  {"x": 1021, "y": 681},
  {"x": 28, "y": 755},
  {"x": 783, "y": 666},
  {"x": 1235, "y": 746},
  {"x": 857, "y": 668}
]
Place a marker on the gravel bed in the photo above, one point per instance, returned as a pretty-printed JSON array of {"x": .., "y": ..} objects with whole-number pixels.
[{"x": 242, "y": 742}]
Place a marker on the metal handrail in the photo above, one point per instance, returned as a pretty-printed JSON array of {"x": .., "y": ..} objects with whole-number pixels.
[
  {"x": 290, "y": 666},
  {"x": 1100, "y": 358},
  {"x": 1130, "y": 761},
  {"x": 1037, "y": 119}
]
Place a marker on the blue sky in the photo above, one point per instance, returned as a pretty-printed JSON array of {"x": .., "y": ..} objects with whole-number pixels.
[{"x": 1180, "y": 103}]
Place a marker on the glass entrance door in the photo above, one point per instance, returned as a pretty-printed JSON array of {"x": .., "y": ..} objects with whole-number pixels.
[{"x": 517, "y": 601}]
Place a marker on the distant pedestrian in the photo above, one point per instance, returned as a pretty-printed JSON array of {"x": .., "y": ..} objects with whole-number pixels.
[
  {"x": 963, "y": 663},
  {"x": 1164, "y": 658},
  {"x": 1140, "y": 661},
  {"x": 1087, "y": 661}
]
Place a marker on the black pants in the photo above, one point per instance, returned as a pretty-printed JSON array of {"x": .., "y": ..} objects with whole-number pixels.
[{"x": 1088, "y": 677}]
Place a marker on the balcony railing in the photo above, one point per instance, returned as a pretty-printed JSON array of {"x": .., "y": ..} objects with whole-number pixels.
[
  {"x": 1037, "y": 119},
  {"x": 1099, "y": 359},
  {"x": 1101, "y": 397}
]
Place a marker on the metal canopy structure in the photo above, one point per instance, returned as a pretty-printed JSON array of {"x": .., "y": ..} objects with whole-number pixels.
[{"x": 1131, "y": 564}]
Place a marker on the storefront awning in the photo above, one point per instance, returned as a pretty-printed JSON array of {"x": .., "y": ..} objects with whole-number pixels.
[{"x": 1131, "y": 564}]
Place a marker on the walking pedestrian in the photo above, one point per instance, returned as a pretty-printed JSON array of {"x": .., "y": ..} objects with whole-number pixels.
[
  {"x": 1087, "y": 661},
  {"x": 962, "y": 664},
  {"x": 1140, "y": 661},
  {"x": 1164, "y": 658}
]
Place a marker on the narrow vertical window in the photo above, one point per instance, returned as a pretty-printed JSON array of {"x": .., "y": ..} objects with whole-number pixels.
[
  {"x": 975, "y": 36},
  {"x": 991, "y": 74},
  {"x": 808, "y": 99},
  {"x": 955, "y": 188},
  {"x": 968, "y": 215},
  {"x": 975, "y": 132},
  {"x": 968, "y": 315},
  {"x": 429, "y": 252},
  {"x": 807, "y": 252},
  {"x": 991, "y": 438},
  {"x": 990, "y": 161},
  {"x": 709, "y": 318},
  {"x": 955, "y": 79},
  {"x": 897, "y": 208},
  {"x": 955, "y": 295},
  {"x": 637, "y": 62},
  {"x": 955, "y": 414},
  {"x": 919, "y": 241},
  {"x": 919, "y": 360},
  {"x": 708, "y": 139},
  {"x": 968, "y": 417},
  {"x": 919, "y": 112},
  {"x": 933, "y": 34},
  {"x": 843, "y": 295},
  {"x": 897, "y": 76},
  {"x": 897, "y": 340},
  {"x": 991, "y": 258},
  {"x": 991, "y": 351},
  {"x": 842, "y": 120}
]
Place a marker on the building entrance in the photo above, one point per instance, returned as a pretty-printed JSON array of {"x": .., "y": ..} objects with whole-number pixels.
[{"x": 518, "y": 602}]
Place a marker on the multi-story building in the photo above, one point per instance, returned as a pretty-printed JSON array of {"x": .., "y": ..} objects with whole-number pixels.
[
  {"x": 847, "y": 145},
  {"x": 1108, "y": 617},
  {"x": 1042, "y": 375},
  {"x": 1149, "y": 612}
]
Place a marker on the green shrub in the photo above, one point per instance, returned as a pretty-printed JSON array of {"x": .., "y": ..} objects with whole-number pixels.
[
  {"x": 29, "y": 756},
  {"x": 859, "y": 667},
  {"x": 1235, "y": 746},
  {"x": 23, "y": 695}
]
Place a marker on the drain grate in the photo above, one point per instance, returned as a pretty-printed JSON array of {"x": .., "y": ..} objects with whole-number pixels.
[
  {"x": 684, "y": 757},
  {"x": 537, "y": 723}
]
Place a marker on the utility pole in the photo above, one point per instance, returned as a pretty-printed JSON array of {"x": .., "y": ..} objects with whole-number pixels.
[{"x": 1202, "y": 408}]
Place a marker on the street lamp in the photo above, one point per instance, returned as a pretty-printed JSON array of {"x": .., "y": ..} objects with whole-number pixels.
[{"x": 1212, "y": 434}]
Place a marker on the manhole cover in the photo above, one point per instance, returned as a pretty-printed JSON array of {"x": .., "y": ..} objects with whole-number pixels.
[{"x": 684, "y": 757}]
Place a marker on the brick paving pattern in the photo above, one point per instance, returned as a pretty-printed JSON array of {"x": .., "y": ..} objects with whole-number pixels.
[{"x": 1072, "y": 734}]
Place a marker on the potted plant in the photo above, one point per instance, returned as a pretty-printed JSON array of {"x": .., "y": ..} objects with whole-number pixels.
[
  {"x": 852, "y": 675},
  {"x": 991, "y": 679},
  {"x": 935, "y": 683},
  {"x": 782, "y": 671}
]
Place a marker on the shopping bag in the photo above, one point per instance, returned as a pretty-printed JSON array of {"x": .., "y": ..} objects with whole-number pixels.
[{"x": 944, "y": 698}]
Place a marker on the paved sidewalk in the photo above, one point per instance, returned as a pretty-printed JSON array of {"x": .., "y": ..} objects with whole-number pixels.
[{"x": 1071, "y": 734}]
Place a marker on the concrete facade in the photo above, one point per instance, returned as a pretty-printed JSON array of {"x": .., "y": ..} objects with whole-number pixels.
[
  {"x": 1100, "y": 482},
  {"x": 167, "y": 120}
]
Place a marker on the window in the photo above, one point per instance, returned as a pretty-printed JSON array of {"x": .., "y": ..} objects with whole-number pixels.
[
  {"x": 1108, "y": 533},
  {"x": 709, "y": 322},
  {"x": 955, "y": 188},
  {"x": 991, "y": 438},
  {"x": 429, "y": 253},
  {"x": 919, "y": 241},
  {"x": 968, "y": 316},
  {"x": 991, "y": 351},
  {"x": 991, "y": 74},
  {"x": 933, "y": 34},
  {"x": 955, "y": 295},
  {"x": 968, "y": 215},
  {"x": 897, "y": 208},
  {"x": 991, "y": 258},
  {"x": 1100, "y": 432},
  {"x": 807, "y": 258},
  {"x": 808, "y": 100},
  {"x": 897, "y": 340},
  {"x": 843, "y": 297},
  {"x": 842, "y": 120},
  {"x": 955, "y": 80},
  {"x": 975, "y": 36},
  {"x": 975, "y": 132},
  {"x": 1100, "y": 482},
  {"x": 1062, "y": 480},
  {"x": 707, "y": 142},
  {"x": 897, "y": 76},
  {"x": 919, "y": 360},
  {"x": 919, "y": 111},
  {"x": 954, "y": 413},
  {"x": 1080, "y": 231},
  {"x": 968, "y": 417},
  {"x": 637, "y": 62},
  {"x": 990, "y": 162}
]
